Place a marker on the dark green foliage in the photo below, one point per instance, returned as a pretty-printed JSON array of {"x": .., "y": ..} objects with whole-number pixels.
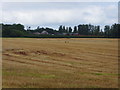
[
  {"x": 84, "y": 30},
  {"x": 115, "y": 30},
  {"x": 15, "y": 30},
  {"x": 70, "y": 30},
  {"x": 75, "y": 29},
  {"x": 60, "y": 29},
  {"x": 112, "y": 31},
  {"x": 12, "y": 33},
  {"x": 97, "y": 30},
  {"x": 107, "y": 30}
]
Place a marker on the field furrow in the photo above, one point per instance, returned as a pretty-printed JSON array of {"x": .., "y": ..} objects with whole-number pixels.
[{"x": 53, "y": 63}]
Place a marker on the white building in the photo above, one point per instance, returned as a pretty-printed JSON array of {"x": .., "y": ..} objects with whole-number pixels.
[{"x": 44, "y": 32}]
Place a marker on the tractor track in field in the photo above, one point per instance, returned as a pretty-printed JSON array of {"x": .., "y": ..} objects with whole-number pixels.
[
  {"x": 80, "y": 63},
  {"x": 58, "y": 54},
  {"x": 21, "y": 53},
  {"x": 40, "y": 61}
]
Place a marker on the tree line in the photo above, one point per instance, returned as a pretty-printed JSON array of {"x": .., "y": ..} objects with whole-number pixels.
[{"x": 18, "y": 30}]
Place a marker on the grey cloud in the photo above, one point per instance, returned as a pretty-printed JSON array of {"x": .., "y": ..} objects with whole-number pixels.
[{"x": 55, "y": 14}]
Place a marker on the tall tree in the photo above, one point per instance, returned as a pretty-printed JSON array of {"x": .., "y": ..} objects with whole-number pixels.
[
  {"x": 80, "y": 29},
  {"x": 107, "y": 30},
  {"x": 97, "y": 30},
  {"x": 67, "y": 29},
  {"x": 115, "y": 30},
  {"x": 70, "y": 30},
  {"x": 75, "y": 29},
  {"x": 60, "y": 29},
  {"x": 63, "y": 29}
]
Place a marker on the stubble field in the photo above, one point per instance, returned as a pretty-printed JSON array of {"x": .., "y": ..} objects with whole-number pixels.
[{"x": 59, "y": 63}]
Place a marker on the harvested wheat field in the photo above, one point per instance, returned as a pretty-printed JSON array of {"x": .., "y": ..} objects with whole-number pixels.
[{"x": 60, "y": 63}]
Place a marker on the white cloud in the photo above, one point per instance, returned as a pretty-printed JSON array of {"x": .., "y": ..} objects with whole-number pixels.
[
  {"x": 37, "y": 17},
  {"x": 71, "y": 16}
]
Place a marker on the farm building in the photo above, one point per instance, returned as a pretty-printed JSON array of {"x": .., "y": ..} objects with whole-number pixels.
[
  {"x": 37, "y": 33},
  {"x": 44, "y": 32}
]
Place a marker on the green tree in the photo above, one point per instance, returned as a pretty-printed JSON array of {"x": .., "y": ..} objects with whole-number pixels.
[
  {"x": 75, "y": 29},
  {"x": 107, "y": 30},
  {"x": 70, "y": 29},
  {"x": 60, "y": 29},
  {"x": 97, "y": 30}
]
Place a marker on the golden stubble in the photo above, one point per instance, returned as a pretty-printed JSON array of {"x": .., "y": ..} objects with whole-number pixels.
[{"x": 60, "y": 63}]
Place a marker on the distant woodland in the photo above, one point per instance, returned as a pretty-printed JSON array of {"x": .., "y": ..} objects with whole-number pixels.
[{"x": 82, "y": 30}]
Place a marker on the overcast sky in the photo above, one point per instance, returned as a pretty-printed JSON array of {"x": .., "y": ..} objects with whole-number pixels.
[{"x": 54, "y": 14}]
